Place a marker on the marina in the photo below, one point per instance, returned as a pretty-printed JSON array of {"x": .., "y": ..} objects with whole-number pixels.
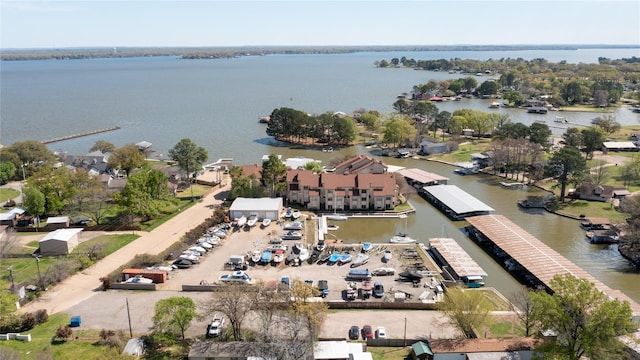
[
  {"x": 529, "y": 257},
  {"x": 456, "y": 203},
  {"x": 456, "y": 263}
]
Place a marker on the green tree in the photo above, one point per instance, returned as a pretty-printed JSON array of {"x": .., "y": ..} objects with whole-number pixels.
[
  {"x": 143, "y": 193},
  {"x": 572, "y": 93},
  {"x": 56, "y": 185},
  {"x": 592, "y": 139},
  {"x": 31, "y": 154},
  {"x": 511, "y": 130},
  {"x": 313, "y": 166},
  {"x": 573, "y": 137},
  {"x": 515, "y": 98},
  {"x": 344, "y": 130},
  {"x": 585, "y": 320},
  {"x": 442, "y": 122},
  {"x": 489, "y": 87},
  {"x": 273, "y": 174},
  {"x": 286, "y": 123},
  {"x": 398, "y": 131},
  {"x": 189, "y": 156},
  {"x": 470, "y": 83},
  {"x": 402, "y": 106},
  {"x": 173, "y": 316},
  {"x": 104, "y": 146},
  {"x": 7, "y": 172},
  {"x": 539, "y": 134},
  {"x": 564, "y": 164},
  {"x": 608, "y": 124},
  {"x": 127, "y": 158},
  {"x": 370, "y": 121},
  {"x": 467, "y": 310},
  {"x": 34, "y": 201}
]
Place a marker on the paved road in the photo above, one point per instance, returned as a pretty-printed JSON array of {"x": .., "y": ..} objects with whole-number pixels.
[{"x": 84, "y": 285}]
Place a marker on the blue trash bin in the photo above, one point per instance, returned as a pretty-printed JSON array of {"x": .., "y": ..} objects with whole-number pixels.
[{"x": 75, "y": 321}]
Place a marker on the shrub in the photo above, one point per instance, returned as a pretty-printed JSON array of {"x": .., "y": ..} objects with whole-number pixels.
[
  {"x": 63, "y": 332},
  {"x": 27, "y": 322},
  {"x": 41, "y": 316},
  {"x": 106, "y": 283},
  {"x": 112, "y": 339}
]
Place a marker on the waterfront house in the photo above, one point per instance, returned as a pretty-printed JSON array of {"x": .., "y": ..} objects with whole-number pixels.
[
  {"x": 597, "y": 192},
  {"x": 361, "y": 164}
]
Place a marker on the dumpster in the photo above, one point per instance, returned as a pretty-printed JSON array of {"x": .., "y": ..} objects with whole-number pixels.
[{"x": 75, "y": 321}]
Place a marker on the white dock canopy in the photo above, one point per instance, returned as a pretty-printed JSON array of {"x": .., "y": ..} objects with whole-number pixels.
[{"x": 455, "y": 202}]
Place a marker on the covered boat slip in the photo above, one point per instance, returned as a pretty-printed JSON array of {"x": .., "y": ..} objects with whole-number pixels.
[
  {"x": 456, "y": 203},
  {"x": 535, "y": 256},
  {"x": 457, "y": 262},
  {"x": 419, "y": 178}
]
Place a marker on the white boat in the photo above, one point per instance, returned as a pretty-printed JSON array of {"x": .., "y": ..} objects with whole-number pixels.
[
  {"x": 242, "y": 221},
  {"x": 361, "y": 259},
  {"x": 295, "y": 214},
  {"x": 278, "y": 256},
  {"x": 367, "y": 246},
  {"x": 402, "y": 239},
  {"x": 252, "y": 221},
  {"x": 139, "y": 279},
  {"x": 292, "y": 235},
  {"x": 333, "y": 227},
  {"x": 266, "y": 222},
  {"x": 296, "y": 225},
  {"x": 255, "y": 256},
  {"x": 298, "y": 246},
  {"x": 494, "y": 105},
  {"x": 321, "y": 245},
  {"x": 336, "y": 217},
  {"x": 561, "y": 119},
  {"x": 304, "y": 255},
  {"x": 288, "y": 213}
]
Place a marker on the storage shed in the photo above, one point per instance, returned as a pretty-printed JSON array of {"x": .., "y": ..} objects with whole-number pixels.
[
  {"x": 59, "y": 242},
  {"x": 58, "y": 222},
  {"x": 269, "y": 208}
]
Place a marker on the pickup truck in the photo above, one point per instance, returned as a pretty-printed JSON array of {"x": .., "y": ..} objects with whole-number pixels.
[{"x": 215, "y": 328}]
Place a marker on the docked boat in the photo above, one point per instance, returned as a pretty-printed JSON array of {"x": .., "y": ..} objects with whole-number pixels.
[
  {"x": 242, "y": 221},
  {"x": 266, "y": 257},
  {"x": 466, "y": 171},
  {"x": 360, "y": 259},
  {"x": 327, "y": 149},
  {"x": 265, "y": 222},
  {"x": 337, "y": 217},
  {"x": 333, "y": 258},
  {"x": 561, "y": 119},
  {"x": 288, "y": 213},
  {"x": 255, "y": 256},
  {"x": 333, "y": 227},
  {"x": 320, "y": 245},
  {"x": 292, "y": 235},
  {"x": 296, "y": 225},
  {"x": 402, "y": 239},
  {"x": 494, "y": 105},
  {"x": 345, "y": 258},
  {"x": 304, "y": 255},
  {"x": 252, "y": 220},
  {"x": 366, "y": 247}
]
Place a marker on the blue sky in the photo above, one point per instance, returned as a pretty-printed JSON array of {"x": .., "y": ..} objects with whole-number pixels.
[{"x": 115, "y": 23}]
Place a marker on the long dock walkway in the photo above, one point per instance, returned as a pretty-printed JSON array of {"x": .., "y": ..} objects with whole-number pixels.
[
  {"x": 88, "y": 133},
  {"x": 535, "y": 256}
]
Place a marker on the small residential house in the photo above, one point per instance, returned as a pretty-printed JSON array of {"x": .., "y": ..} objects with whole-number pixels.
[
  {"x": 430, "y": 148},
  {"x": 597, "y": 192},
  {"x": 59, "y": 242},
  {"x": 626, "y": 146},
  {"x": 11, "y": 217},
  {"x": 58, "y": 222}
]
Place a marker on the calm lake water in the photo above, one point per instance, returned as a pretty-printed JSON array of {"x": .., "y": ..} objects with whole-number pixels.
[{"x": 217, "y": 103}]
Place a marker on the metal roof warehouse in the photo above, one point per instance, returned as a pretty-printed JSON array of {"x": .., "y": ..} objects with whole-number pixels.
[{"x": 455, "y": 202}]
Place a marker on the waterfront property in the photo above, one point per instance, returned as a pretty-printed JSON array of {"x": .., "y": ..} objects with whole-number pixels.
[
  {"x": 454, "y": 202},
  {"x": 419, "y": 178},
  {"x": 456, "y": 263},
  {"x": 598, "y": 192},
  {"x": 263, "y": 208},
  {"x": 532, "y": 260}
]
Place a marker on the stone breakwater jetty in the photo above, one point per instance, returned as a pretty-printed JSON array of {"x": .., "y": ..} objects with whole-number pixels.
[{"x": 88, "y": 133}]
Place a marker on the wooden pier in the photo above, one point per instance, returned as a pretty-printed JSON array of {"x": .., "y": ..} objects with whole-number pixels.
[{"x": 74, "y": 136}]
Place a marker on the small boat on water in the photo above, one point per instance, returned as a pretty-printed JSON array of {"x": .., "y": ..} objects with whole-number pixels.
[
  {"x": 366, "y": 247},
  {"x": 255, "y": 256},
  {"x": 333, "y": 258},
  {"x": 333, "y": 227},
  {"x": 494, "y": 105},
  {"x": 304, "y": 255},
  {"x": 361, "y": 259},
  {"x": 402, "y": 239},
  {"x": 327, "y": 149},
  {"x": 344, "y": 258},
  {"x": 266, "y": 222},
  {"x": 337, "y": 217}
]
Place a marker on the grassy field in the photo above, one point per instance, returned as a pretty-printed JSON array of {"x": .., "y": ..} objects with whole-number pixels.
[
  {"x": 389, "y": 353},
  {"x": 84, "y": 347},
  {"x": 6, "y": 194}
]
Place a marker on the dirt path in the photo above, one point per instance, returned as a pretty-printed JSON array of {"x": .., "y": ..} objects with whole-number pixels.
[{"x": 84, "y": 285}]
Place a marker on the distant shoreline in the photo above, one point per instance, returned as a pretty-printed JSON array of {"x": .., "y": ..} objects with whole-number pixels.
[{"x": 232, "y": 52}]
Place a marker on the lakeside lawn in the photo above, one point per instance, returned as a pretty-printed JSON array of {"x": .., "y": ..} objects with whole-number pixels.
[{"x": 7, "y": 194}]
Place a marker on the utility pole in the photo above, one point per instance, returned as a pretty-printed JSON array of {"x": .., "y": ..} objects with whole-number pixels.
[
  {"x": 13, "y": 285},
  {"x": 129, "y": 317},
  {"x": 39, "y": 275},
  {"x": 404, "y": 342}
]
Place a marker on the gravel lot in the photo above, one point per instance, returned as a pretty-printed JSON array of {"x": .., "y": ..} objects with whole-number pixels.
[{"x": 109, "y": 310}]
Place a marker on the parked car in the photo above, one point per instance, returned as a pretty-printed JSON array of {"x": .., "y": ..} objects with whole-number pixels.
[
  {"x": 367, "y": 332},
  {"x": 378, "y": 289},
  {"x": 215, "y": 328},
  {"x": 381, "y": 333},
  {"x": 354, "y": 333}
]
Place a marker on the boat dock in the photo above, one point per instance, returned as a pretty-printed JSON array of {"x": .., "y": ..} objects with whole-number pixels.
[
  {"x": 525, "y": 254},
  {"x": 454, "y": 202},
  {"x": 74, "y": 136},
  {"x": 456, "y": 262}
]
